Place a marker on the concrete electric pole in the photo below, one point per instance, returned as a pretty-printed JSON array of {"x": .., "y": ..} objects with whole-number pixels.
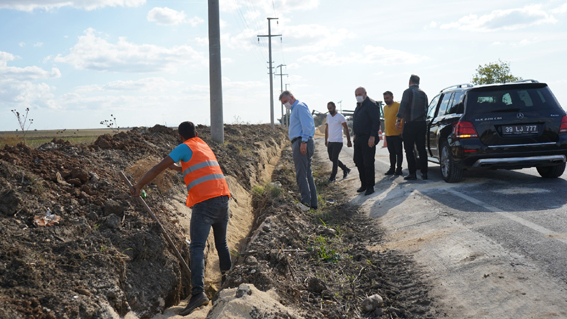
[
  {"x": 281, "y": 90},
  {"x": 269, "y": 36},
  {"x": 286, "y": 111},
  {"x": 215, "y": 74}
]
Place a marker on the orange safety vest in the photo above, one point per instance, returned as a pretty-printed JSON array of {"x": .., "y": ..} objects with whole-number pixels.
[{"x": 202, "y": 174}]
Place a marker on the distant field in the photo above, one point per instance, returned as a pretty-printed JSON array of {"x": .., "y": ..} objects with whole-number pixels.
[{"x": 37, "y": 138}]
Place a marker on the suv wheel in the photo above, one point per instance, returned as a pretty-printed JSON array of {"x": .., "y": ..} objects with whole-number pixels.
[
  {"x": 450, "y": 172},
  {"x": 551, "y": 171}
]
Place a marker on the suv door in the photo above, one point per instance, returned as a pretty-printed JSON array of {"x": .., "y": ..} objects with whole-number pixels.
[
  {"x": 438, "y": 123},
  {"x": 431, "y": 113}
]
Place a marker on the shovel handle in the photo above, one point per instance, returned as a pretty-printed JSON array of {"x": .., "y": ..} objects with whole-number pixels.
[{"x": 163, "y": 231}]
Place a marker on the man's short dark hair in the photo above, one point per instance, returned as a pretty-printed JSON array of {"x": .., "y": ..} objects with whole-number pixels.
[
  {"x": 388, "y": 93},
  {"x": 332, "y": 103},
  {"x": 187, "y": 130},
  {"x": 285, "y": 93},
  {"x": 414, "y": 79}
]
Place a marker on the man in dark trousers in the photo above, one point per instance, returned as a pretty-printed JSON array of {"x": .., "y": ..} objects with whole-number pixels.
[
  {"x": 365, "y": 126},
  {"x": 413, "y": 109},
  {"x": 393, "y": 134},
  {"x": 335, "y": 124},
  {"x": 207, "y": 194}
]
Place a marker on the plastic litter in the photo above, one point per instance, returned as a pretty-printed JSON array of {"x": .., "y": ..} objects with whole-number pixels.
[{"x": 48, "y": 220}]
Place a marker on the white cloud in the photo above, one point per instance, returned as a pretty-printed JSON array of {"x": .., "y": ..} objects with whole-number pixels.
[
  {"x": 38, "y": 44},
  {"x": 370, "y": 55},
  {"x": 28, "y": 73},
  {"x": 30, "y": 5},
  {"x": 167, "y": 16},
  {"x": 521, "y": 43},
  {"x": 313, "y": 37},
  {"x": 151, "y": 84},
  {"x": 561, "y": 9},
  {"x": 22, "y": 44},
  {"x": 202, "y": 41},
  {"x": 509, "y": 19},
  {"x": 18, "y": 87},
  {"x": 195, "y": 21},
  {"x": 283, "y": 6},
  {"x": 95, "y": 53},
  {"x": 305, "y": 38}
]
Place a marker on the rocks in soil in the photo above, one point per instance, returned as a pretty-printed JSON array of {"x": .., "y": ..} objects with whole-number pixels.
[
  {"x": 316, "y": 285},
  {"x": 371, "y": 303},
  {"x": 113, "y": 207},
  {"x": 242, "y": 290}
]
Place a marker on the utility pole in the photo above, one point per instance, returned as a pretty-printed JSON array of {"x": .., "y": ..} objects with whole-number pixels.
[
  {"x": 341, "y": 105},
  {"x": 215, "y": 74},
  {"x": 269, "y": 36},
  {"x": 286, "y": 111},
  {"x": 281, "y": 89}
]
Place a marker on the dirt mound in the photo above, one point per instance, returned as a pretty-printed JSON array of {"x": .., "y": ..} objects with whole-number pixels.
[
  {"x": 104, "y": 255},
  {"x": 106, "y": 258},
  {"x": 319, "y": 262}
]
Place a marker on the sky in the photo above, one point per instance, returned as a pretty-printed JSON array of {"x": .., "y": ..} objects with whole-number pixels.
[{"x": 75, "y": 63}]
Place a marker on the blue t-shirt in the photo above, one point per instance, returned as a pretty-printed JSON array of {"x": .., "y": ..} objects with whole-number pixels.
[{"x": 181, "y": 153}]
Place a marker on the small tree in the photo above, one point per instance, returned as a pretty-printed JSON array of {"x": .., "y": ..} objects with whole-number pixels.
[
  {"x": 494, "y": 72},
  {"x": 22, "y": 120}
]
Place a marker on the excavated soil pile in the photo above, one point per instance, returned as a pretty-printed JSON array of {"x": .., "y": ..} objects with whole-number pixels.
[
  {"x": 74, "y": 246},
  {"x": 320, "y": 262}
]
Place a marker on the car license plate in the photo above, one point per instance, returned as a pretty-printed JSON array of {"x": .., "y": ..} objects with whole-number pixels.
[{"x": 519, "y": 129}]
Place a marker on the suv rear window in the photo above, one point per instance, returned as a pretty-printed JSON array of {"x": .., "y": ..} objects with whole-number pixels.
[{"x": 511, "y": 99}]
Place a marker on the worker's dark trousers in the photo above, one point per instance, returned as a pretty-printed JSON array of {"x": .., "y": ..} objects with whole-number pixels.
[
  {"x": 213, "y": 213},
  {"x": 334, "y": 149},
  {"x": 364, "y": 160},
  {"x": 396, "y": 151},
  {"x": 414, "y": 134}
]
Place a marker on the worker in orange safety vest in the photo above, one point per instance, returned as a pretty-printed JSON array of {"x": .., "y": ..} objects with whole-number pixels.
[{"x": 207, "y": 194}]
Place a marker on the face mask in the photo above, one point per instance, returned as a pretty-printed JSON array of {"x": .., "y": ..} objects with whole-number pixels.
[
  {"x": 287, "y": 105},
  {"x": 359, "y": 99}
]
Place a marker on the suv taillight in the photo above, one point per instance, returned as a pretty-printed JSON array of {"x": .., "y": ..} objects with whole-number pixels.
[
  {"x": 464, "y": 130},
  {"x": 563, "y": 127}
]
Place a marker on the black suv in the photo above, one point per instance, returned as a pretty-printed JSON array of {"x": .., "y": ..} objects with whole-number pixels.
[{"x": 511, "y": 126}]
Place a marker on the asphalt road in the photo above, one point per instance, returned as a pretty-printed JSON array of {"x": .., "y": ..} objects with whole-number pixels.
[{"x": 492, "y": 246}]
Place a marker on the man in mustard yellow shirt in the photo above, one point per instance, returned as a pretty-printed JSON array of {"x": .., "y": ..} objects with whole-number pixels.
[{"x": 393, "y": 135}]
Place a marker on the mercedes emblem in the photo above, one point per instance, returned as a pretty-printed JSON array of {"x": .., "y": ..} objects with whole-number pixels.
[{"x": 520, "y": 115}]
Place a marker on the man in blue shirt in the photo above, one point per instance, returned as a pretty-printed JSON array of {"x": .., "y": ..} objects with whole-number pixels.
[{"x": 301, "y": 131}]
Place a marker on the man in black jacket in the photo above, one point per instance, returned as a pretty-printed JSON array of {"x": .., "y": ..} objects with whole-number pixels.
[
  {"x": 365, "y": 126},
  {"x": 413, "y": 109}
]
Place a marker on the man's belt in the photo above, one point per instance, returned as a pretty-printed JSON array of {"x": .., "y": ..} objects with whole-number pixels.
[{"x": 295, "y": 139}]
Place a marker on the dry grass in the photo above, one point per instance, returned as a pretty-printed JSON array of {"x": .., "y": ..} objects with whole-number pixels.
[{"x": 38, "y": 138}]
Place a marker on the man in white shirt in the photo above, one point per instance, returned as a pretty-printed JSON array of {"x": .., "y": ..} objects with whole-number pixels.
[{"x": 334, "y": 139}]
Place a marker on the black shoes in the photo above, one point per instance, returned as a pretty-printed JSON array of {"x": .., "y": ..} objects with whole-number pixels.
[
  {"x": 424, "y": 176},
  {"x": 391, "y": 171},
  {"x": 196, "y": 301},
  {"x": 345, "y": 173},
  {"x": 410, "y": 177},
  {"x": 332, "y": 180},
  {"x": 361, "y": 189},
  {"x": 398, "y": 171},
  {"x": 369, "y": 191}
]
